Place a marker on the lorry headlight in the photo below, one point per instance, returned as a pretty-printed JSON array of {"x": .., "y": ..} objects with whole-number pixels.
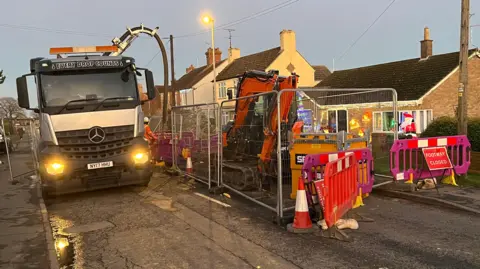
[
  {"x": 140, "y": 157},
  {"x": 55, "y": 168}
]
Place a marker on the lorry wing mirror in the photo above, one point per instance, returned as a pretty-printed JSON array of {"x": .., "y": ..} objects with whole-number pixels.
[
  {"x": 22, "y": 92},
  {"x": 150, "y": 84}
]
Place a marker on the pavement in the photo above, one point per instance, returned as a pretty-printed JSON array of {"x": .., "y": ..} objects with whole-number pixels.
[
  {"x": 171, "y": 224},
  {"x": 458, "y": 198},
  {"x": 22, "y": 235}
]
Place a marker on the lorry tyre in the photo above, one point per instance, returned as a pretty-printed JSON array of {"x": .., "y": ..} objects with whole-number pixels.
[
  {"x": 45, "y": 194},
  {"x": 147, "y": 181},
  {"x": 144, "y": 184}
]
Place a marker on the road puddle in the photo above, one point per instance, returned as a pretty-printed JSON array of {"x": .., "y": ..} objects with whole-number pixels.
[
  {"x": 68, "y": 239},
  {"x": 65, "y": 248},
  {"x": 64, "y": 243}
]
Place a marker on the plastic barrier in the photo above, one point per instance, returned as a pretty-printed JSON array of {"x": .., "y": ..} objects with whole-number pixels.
[
  {"x": 314, "y": 169},
  {"x": 407, "y": 161},
  {"x": 339, "y": 188},
  {"x": 165, "y": 142},
  {"x": 304, "y": 144}
]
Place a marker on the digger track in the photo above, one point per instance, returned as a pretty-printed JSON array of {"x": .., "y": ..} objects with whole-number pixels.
[{"x": 242, "y": 176}]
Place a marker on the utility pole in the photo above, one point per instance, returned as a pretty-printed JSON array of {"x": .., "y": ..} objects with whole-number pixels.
[
  {"x": 172, "y": 59},
  {"x": 230, "y": 35},
  {"x": 462, "y": 110}
]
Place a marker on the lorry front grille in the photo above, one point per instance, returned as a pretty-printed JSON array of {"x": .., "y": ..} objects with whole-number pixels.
[
  {"x": 76, "y": 145},
  {"x": 100, "y": 177}
]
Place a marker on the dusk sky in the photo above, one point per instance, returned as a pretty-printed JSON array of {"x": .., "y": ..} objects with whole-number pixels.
[{"x": 324, "y": 29}]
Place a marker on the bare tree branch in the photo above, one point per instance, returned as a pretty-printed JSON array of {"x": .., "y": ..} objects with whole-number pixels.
[{"x": 9, "y": 108}]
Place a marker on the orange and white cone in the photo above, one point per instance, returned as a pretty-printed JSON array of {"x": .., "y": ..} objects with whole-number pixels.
[
  {"x": 302, "y": 222},
  {"x": 189, "y": 165}
]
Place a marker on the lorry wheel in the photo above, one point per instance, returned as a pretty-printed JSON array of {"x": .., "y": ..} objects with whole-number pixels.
[
  {"x": 45, "y": 194},
  {"x": 146, "y": 182}
]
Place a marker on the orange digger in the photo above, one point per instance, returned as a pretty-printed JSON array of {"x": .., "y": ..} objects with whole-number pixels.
[{"x": 250, "y": 140}]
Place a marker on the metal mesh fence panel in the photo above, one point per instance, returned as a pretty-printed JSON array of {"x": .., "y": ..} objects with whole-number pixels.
[
  {"x": 14, "y": 130},
  {"x": 195, "y": 137},
  {"x": 34, "y": 135},
  {"x": 248, "y": 159},
  {"x": 335, "y": 120},
  {"x": 21, "y": 137}
]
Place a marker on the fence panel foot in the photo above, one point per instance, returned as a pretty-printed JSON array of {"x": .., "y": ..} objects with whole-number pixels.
[
  {"x": 360, "y": 218},
  {"x": 217, "y": 190},
  {"x": 335, "y": 233}
]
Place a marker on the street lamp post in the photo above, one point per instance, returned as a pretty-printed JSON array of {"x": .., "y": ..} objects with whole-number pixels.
[{"x": 210, "y": 20}]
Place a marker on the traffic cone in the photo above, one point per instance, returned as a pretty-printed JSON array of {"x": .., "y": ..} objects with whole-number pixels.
[
  {"x": 189, "y": 165},
  {"x": 302, "y": 222}
]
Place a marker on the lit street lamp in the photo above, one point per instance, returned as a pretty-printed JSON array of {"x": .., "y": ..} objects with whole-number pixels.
[{"x": 209, "y": 20}]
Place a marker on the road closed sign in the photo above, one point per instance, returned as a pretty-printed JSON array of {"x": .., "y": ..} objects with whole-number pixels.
[{"x": 437, "y": 158}]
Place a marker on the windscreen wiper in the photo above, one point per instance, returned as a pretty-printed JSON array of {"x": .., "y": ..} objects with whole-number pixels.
[
  {"x": 112, "y": 98},
  {"x": 75, "y": 101}
]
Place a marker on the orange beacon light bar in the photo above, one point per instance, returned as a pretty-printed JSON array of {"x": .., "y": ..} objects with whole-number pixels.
[{"x": 91, "y": 49}]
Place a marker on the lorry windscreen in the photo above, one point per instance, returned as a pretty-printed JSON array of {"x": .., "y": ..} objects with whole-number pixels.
[{"x": 59, "y": 88}]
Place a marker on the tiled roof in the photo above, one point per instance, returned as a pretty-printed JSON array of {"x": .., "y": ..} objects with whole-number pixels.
[
  {"x": 321, "y": 72},
  {"x": 258, "y": 61},
  {"x": 410, "y": 78},
  {"x": 188, "y": 80}
]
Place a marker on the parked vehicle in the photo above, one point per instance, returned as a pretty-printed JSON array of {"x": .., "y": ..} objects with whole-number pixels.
[{"x": 91, "y": 120}]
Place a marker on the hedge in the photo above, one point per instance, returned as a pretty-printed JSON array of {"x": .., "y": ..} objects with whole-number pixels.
[{"x": 447, "y": 126}]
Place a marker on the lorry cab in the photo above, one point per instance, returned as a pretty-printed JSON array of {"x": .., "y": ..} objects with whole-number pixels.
[{"x": 91, "y": 120}]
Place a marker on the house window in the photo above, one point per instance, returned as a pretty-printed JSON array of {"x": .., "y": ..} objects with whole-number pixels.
[
  {"x": 226, "y": 117},
  {"x": 377, "y": 122},
  {"x": 183, "y": 96},
  {"x": 422, "y": 120},
  {"x": 429, "y": 116},
  {"x": 334, "y": 121},
  {"x": 342, "y": 120},
  {"x": 233, "y": 89},
  {"x": 222, "y": 91},
  {"x": 384, "y": 121}
]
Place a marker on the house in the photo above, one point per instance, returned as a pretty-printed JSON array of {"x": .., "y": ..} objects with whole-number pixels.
[
  {"x": 196, "y": 86},
  {"x": 427, "y": 88},
  {"x": 321, "y": 72},
  {"x": 285, "y": 58}
]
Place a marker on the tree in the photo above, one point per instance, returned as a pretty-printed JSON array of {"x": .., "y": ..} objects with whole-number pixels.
[
  {"x": 10, "y": 110},
  {"x": 2, "y": 77},
  {"x": 34, "y": 115}
]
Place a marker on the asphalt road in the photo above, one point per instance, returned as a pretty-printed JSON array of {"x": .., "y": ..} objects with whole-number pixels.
[{"x": 168, "y": 226}]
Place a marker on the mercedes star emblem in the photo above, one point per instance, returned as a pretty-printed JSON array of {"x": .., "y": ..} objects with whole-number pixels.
[{"x": 96, "y": 135}]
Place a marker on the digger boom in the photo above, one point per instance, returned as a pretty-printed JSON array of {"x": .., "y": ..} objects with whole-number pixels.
[{"x": 244, "y": 138}]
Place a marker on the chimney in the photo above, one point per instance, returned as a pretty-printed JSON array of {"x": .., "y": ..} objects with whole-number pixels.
[
  {"x": 190, "y": 68},
  {"x": 233, "y": 54},
  {"x": 218, "y": 56},
  {"x": 426, "y": 45},
  {"x": 287, "y": 40}
]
